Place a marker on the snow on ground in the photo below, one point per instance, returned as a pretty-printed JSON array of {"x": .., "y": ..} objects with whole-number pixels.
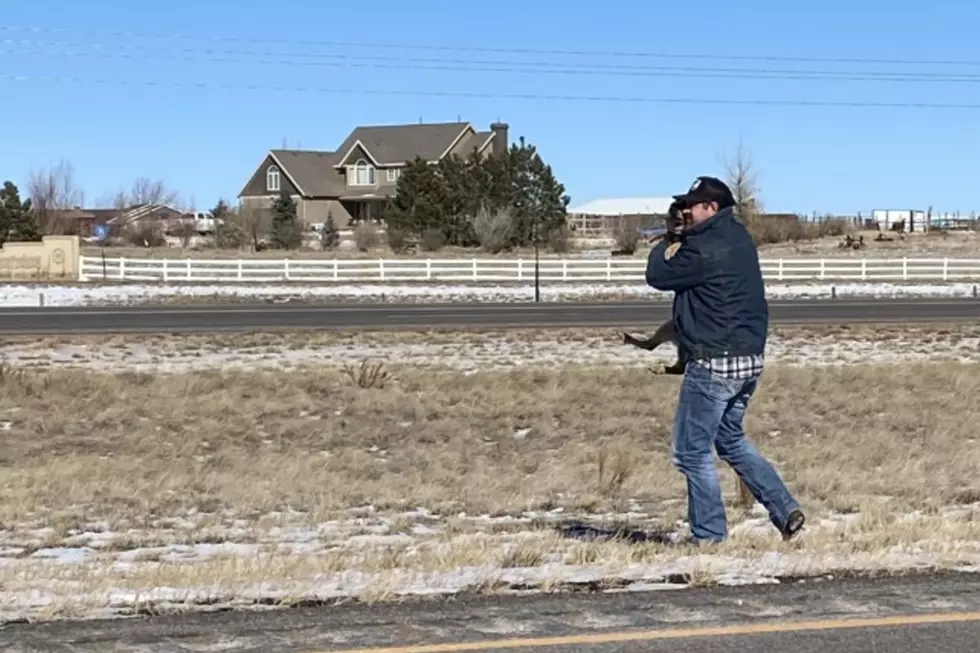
[
  {"x": 94, "y": 572},
  {"x": 14, "y": 295},
  {"x": 490, "y": 351}
]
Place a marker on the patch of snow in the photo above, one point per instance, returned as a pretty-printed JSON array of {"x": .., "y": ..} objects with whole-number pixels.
[
  {"x": 490, "y": 352},
  {"x": 63, "y": 555},
  {"x": 722, "y": 569},
  {"x": 25, "y": 295},
  {"x": 94, "y": 582}
]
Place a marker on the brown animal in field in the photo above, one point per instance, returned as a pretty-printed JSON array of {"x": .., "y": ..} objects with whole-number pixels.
[{"x": 664, "y": 333}]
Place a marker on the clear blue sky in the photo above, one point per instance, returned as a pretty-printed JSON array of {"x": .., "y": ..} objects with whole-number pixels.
[{"x": 207, "y": 138}]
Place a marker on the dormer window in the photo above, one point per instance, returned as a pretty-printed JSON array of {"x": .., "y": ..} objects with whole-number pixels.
[
  {"x": 272, "y": 180},
  {"x": 360, "y": 174}
]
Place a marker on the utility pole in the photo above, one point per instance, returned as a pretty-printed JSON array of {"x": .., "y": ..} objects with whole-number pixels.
[{"x": 537, "y": 262}]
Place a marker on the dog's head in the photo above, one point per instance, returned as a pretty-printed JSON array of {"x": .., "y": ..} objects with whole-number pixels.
[{"x": 678, "y": 219}]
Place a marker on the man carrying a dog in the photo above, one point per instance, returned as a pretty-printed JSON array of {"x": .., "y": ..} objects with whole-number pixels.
[{"x": 721, "y": 319}]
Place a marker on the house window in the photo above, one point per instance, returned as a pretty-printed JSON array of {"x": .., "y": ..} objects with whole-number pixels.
[
  {"x": 360, "y": 174},
  {"x": 393, "y": 174},
  {"x": 272, "y": 179}
]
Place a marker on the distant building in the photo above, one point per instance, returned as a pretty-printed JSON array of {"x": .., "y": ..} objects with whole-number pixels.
[{"x": 600, "y": 217}]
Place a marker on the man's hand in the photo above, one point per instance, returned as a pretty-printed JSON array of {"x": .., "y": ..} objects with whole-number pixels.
[{"x": 674, "y": 265}]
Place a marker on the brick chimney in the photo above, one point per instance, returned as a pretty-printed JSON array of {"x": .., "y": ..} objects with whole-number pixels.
[{"x": 500, "y": 138}]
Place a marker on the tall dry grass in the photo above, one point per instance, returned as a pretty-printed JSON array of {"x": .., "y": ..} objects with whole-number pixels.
[{"x": 82, "y": 445}]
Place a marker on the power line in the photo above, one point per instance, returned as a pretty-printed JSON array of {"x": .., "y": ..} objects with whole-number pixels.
[
  {"x": 497, "y": 50},
  {"x": 487, "y": 66},
  {"x": 485, "y": 96}
]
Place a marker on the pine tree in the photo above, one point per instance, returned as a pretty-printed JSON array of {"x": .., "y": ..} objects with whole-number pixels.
[
  {"x": 18, "y": 222},
  {"x": 550, "y": 206},
  {"x": 460, "y": 199},
  {"x": 452, "y": 195},
  {"x": 539, "y": 202},
  {"x": 286, "y": 232},
  {"x": 329, "y": 234},
  {"x": 419, "y": 200},
  {"x": 221, "y": 210}
]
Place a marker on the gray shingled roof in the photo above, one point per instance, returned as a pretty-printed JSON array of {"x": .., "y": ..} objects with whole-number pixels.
[
  {"x": 312, "y": 170},
  {"x": 390, "y": 144},
  {"x": 473, "y": 140}
]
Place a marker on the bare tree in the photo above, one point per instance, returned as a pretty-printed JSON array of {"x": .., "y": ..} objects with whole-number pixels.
[
  {"x": 186, "y": 230},
  {"x": 627, "y": 234},
  {"x": 256, "y": 224},
  {"x": 152, "y": 191},
  {"x": 52, "y": 191},
  {"x": 744, "y": 182},
  {"x": 143, "y": 191}
]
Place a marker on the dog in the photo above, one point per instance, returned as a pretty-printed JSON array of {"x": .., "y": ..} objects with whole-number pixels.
[
  {"x": 677, "y": 219},
  {"x": 664, "y": 333}
]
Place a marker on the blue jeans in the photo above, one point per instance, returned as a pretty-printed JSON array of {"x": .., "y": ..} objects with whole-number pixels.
[{"x": 710, "y": 410}]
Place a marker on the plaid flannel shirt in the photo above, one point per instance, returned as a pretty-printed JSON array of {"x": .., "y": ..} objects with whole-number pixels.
[{"x": 735, "y": 367}]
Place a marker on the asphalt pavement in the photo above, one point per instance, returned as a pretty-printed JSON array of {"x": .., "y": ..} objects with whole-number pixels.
[
  {"x": 305, "y": 316},
  {"x": 911, "y": 614}
]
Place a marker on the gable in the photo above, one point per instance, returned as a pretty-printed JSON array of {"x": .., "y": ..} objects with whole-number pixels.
[
  {"x": 474, "y": 140},
  {"x": 356, "y": 153},
  {"x": 256, "y": 186},
  {"x": 399, "y": 144},
  {"x": 312, "y": 171}
]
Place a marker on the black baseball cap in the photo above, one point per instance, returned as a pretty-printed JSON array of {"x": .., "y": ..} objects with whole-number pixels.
[{"x": 707, "y": 189}]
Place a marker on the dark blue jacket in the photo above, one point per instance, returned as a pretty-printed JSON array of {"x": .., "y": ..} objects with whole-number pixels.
[{"x": 720, "y": 306}]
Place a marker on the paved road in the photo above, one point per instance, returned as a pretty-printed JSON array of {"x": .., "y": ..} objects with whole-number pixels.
[
  {"x": 268, "y": 317},
  {"x": 908, "y": 615}
]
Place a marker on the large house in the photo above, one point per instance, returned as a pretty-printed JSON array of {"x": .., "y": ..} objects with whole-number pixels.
[{"x": 353, "y": 182}]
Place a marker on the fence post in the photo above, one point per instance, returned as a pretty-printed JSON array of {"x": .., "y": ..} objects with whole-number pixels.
[
  {"x": 520, "y": 269},
  {"x": 564, "y": 269},
  {"x": 476, "y": 274},
  {"x": 381, "y": 269},
  {"x": 336, "y": 269},
  {"x": 285, "y": 268},
  {"x": 240, "y": 271},
  {"x": 428, "y": 269},
  {"x": 122, "y": 267},
  {"x": 905, "y": 268},
  {"x": 609, "y": 269},
  {"x": 864, "y": 269},
  {"x": 189, "y": 277},
  {"x": 946, "y": 269},
  {"x": 781, "y": 270},
  {"x": 166, "y": 272},
  {"x": 823, "y": 268}
]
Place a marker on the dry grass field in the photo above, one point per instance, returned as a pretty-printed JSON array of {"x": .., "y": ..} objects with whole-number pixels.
[
  {"x": 141, "y": 491},
  {"x": 964, "y": 244},
  {"x": 958, "y": 244},
  {"x": 121, "y": 447}
]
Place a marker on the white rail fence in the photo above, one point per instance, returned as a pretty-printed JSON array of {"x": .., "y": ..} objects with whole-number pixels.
[{"x": 490, "y": 270}]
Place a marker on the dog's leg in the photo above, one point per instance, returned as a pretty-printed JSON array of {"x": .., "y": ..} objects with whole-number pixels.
[
  {"x": 664, "y": 333},
  {"x": 667, "y": 331},
  {"x": 642, "y": 343}
]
